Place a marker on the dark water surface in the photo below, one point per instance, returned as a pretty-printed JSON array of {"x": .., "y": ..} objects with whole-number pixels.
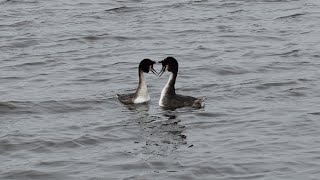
[{"x": 255, "y": 62}]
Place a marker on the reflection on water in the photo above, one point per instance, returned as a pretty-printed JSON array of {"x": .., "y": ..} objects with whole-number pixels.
[
  {"x": 161, "y": 133},
  {"x": 143, "y": 107}
]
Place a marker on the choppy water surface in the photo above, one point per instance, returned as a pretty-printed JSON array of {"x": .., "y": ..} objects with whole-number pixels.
[{"x": 255, "y": 62}]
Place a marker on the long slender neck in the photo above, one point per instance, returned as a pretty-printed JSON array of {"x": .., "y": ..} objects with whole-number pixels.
[
  {"x": 170, "y": 84},
  {"x": 142, "y": 83}
]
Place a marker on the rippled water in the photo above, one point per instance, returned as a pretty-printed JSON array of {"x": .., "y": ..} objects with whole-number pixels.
[{"x": 255, "y": 62}]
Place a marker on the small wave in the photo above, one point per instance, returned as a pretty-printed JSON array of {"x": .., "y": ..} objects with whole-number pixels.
[
  {"x": 237, "y": 11},
  {"x": 13, "y": 107},
  {"x": 123, "y": 38},
  {"x": 102, "y": 80},
  {"x": 296, "y": 92},
  {"x": 275, "y": 1},
  {"x": 275, "y": 84},
  {"x": 209, "y": 114},
  {"x": 294, "y": 52},
  {"x": 119, "y": 64},
  {"x": 91, "y": 38},
  {"x": 95, "y": 37},
  {"x": 248, "y": 37},
  {"x": 5, "y": 106},
  {"x": 191, "y": 31},
  {"x": 315, "y": 113},
  {"x": 17, "y": 24},
  {"x": 176, "y": 5},
  {"x": 61, "y": 106},
  {"x": 231, "y": 4},
  {"x": 228, "y": 70},
  {"x": 117, "y": 8},
  {"x": 291, "y": 16},
  {"x": 85, "y": 4},
  {"x": 39, "y": 63},
  {"x": 11, "y": 78},
  {"x": 122, "y": 9},
  {"x": 23, "y": 1},
  {"x": 23, "y": 44},
  {"x": 65, "y": 106},
  {"x": 225, "y": 29},
  {"x": 56, "y": 163},
  {"x": 208, "y": 86},
  {"x": 279, "y": 66},
  {"x": 12, "y": 143},
  {"x": 200, "y": 1},
  {"x": 29, "y": 174},
  {"x": 84, "y": 140}
]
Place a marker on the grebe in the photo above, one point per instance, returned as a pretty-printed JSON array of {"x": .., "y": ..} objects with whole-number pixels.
[
  {"x": 141, "y": 95},
  {"x": 169, "y": 98}
]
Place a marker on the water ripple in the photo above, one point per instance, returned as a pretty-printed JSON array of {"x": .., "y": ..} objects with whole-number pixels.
[{"x": 63, "y": 62}]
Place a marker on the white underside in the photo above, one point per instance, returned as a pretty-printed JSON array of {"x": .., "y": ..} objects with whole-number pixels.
[
  {"x": 164, "y": 91},
  {"x": 142, "y": 99},
  {"x": 142, "y": 94}
]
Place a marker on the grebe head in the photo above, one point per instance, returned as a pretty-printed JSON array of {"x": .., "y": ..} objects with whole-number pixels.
[
  {"x": 170, "y": 64},
  {"x": 146, "y": 65}
]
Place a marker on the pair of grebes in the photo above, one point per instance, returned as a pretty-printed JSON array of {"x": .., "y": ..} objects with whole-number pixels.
[{"x": 168, "y": 98}]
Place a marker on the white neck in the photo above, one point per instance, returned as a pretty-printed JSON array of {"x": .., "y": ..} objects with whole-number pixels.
[
  {"x": 142, "y": 91},
  {"x": 165, "y": 90}
]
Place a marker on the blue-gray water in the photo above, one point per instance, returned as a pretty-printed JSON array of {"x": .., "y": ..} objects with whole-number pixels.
[{"x": 256, "y": 63}]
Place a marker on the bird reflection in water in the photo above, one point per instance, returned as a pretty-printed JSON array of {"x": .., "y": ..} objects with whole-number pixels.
[
  {"x": 164, "y": 135},
  {"x": 161, "y": 133},
  {"x": 143, "y": 107}
]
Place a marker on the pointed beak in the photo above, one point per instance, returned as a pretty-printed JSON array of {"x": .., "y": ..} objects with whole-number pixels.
[
  {"x": 153, "y": 71},
  {"x": 162, "y": 70}
]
